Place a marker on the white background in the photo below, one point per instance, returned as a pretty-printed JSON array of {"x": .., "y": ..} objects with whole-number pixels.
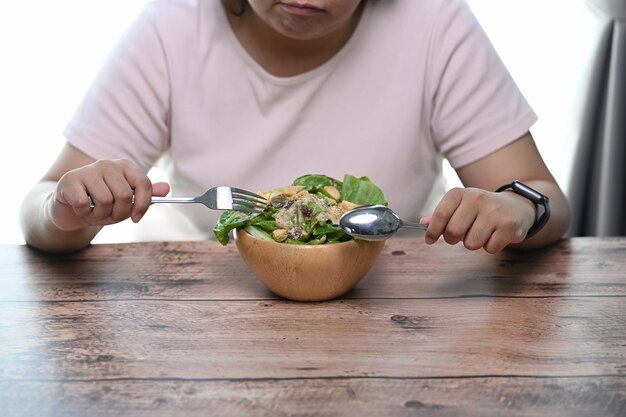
[{"x": 51, "y": 51}]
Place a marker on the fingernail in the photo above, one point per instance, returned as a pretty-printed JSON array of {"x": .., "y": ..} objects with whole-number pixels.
[
  {"x": 137, "y": 217},
  {"x": 430, "y": 240}
]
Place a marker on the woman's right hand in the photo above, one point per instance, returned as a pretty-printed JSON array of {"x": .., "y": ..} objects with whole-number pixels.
[{"x": 118, "y": 189}]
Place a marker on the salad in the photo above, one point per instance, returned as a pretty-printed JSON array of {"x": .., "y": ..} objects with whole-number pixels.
[{"x": 306, "y": 212}]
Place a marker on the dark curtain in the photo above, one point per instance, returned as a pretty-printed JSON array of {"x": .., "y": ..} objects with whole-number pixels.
[{"x": 598, "y": 183}]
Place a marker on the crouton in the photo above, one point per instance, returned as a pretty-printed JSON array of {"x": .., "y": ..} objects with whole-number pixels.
[
  {"x": 280, "y": 235},
  {"x": 333, "y": 192}
]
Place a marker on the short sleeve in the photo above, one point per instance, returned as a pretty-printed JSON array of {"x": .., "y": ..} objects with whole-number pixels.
[
  {"x": 476, "y": 106},
  {"x": 125, "y": 112}
]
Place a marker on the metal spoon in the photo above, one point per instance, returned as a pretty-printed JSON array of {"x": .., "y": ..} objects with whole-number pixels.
[{"x": 374, "y": 223}]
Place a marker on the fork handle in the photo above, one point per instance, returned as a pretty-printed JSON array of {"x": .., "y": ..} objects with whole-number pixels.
[
  {"x": 174, "y": 200},
  {"x": 158, "y": 200}
]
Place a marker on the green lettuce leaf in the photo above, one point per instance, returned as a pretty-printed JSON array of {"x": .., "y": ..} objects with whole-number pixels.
[
  {"x": 229, "y": 220},
  {"x": 257, "y": 232},
  {"x": 316, "y": 183},
  {"x": 361, "y": 191}
]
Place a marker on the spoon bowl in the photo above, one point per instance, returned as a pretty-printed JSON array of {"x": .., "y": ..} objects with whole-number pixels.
[{"x": 375, "y": 222}]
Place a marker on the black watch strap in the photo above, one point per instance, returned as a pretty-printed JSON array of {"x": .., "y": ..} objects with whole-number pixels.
[{"x": 540, "y": 201}]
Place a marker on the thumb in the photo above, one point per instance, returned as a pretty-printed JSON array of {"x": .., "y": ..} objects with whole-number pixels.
[
  {"x": 160, "y": 189},
  {"x": 425, "y": 219}
]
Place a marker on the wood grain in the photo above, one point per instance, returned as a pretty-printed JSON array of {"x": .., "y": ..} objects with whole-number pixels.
[
  {"x": 184, "y": 328},
  {"x": 280, "y": 339},
  {"x": 407, "y": 268},
  {"x": 485, "y": 397}
]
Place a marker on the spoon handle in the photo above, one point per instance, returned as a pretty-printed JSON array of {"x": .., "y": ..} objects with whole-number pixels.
[{"x": 412, "y": 225}]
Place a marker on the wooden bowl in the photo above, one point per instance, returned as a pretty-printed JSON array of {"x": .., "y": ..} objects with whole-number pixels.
[{"x": 308, "y": 272}]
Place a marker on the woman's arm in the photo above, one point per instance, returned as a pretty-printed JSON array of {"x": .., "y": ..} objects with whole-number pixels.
[
  {"x": 482, "y": 218},
  {"x": 56, "y": 216}
]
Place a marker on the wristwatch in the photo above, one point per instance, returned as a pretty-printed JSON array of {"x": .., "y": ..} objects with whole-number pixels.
[{"x": 539, "y": 200}]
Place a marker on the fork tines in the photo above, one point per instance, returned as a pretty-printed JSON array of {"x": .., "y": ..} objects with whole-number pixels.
[{"x": 247, "y": 202}]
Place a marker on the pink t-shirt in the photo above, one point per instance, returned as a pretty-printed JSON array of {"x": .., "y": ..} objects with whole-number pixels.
[{"x": 417, "y": 80}]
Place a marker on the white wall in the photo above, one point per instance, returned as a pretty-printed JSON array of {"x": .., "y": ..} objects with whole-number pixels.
[
  {"x": 546, "y": 45},
  {"x": 52, "y": 49}
]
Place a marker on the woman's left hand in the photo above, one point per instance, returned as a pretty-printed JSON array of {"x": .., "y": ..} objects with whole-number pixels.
[{"x": 481, "y": 219}]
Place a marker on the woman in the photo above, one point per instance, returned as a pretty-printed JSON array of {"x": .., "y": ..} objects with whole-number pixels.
[{"x": 256, "y": 93}]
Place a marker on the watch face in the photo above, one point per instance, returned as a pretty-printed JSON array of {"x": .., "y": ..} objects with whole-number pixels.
[{"x": 529, "y": 193}]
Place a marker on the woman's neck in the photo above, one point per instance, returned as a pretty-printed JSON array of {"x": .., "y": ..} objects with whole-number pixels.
[{"x": 286, "y": 57}]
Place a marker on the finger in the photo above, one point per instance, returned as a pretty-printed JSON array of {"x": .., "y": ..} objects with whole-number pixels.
[
  {"x": 442, "y": 214},
  {"x": 101, "y": 197},
  {"x": 504, "y": 236},
  {"x": 497, "y": 241},
  {"x": 75, "y": 196},
  {"x": 519, "y": 234},
  {"x": 142, "y": 188},
  {"x": 122, "y": 194},
  {"x": 479, "y": 234},
  {"x": 160, "y": 189},
  {"x": 425, "y": 219},
  {"x": 459, "y": 224}
]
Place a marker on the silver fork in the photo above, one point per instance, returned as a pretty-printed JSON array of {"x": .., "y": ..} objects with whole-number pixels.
[{"x": 219, "y": 198}]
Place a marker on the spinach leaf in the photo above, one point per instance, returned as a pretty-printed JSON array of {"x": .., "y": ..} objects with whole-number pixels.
[
  {"x": 314, "y": 183},
  {"x": 262, "y": 222},
  {"x": 361, "y": 191},
  {"x": 228, "y": 221},
  {"x": 258, "y": 232},
  {"x": 333, "y": 233},
  {"x": 325, "y": 228}
]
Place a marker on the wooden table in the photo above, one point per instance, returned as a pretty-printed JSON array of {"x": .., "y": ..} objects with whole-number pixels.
[{"x": 183, "y": 328}]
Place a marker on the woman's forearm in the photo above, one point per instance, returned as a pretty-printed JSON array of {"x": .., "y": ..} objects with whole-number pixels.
[{"x": 40, "y": 232}]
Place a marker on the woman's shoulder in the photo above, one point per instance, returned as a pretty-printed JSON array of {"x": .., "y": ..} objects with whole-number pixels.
[
  {"x": 418, "y": 22},
  {"x": 407, "y": 22}
]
